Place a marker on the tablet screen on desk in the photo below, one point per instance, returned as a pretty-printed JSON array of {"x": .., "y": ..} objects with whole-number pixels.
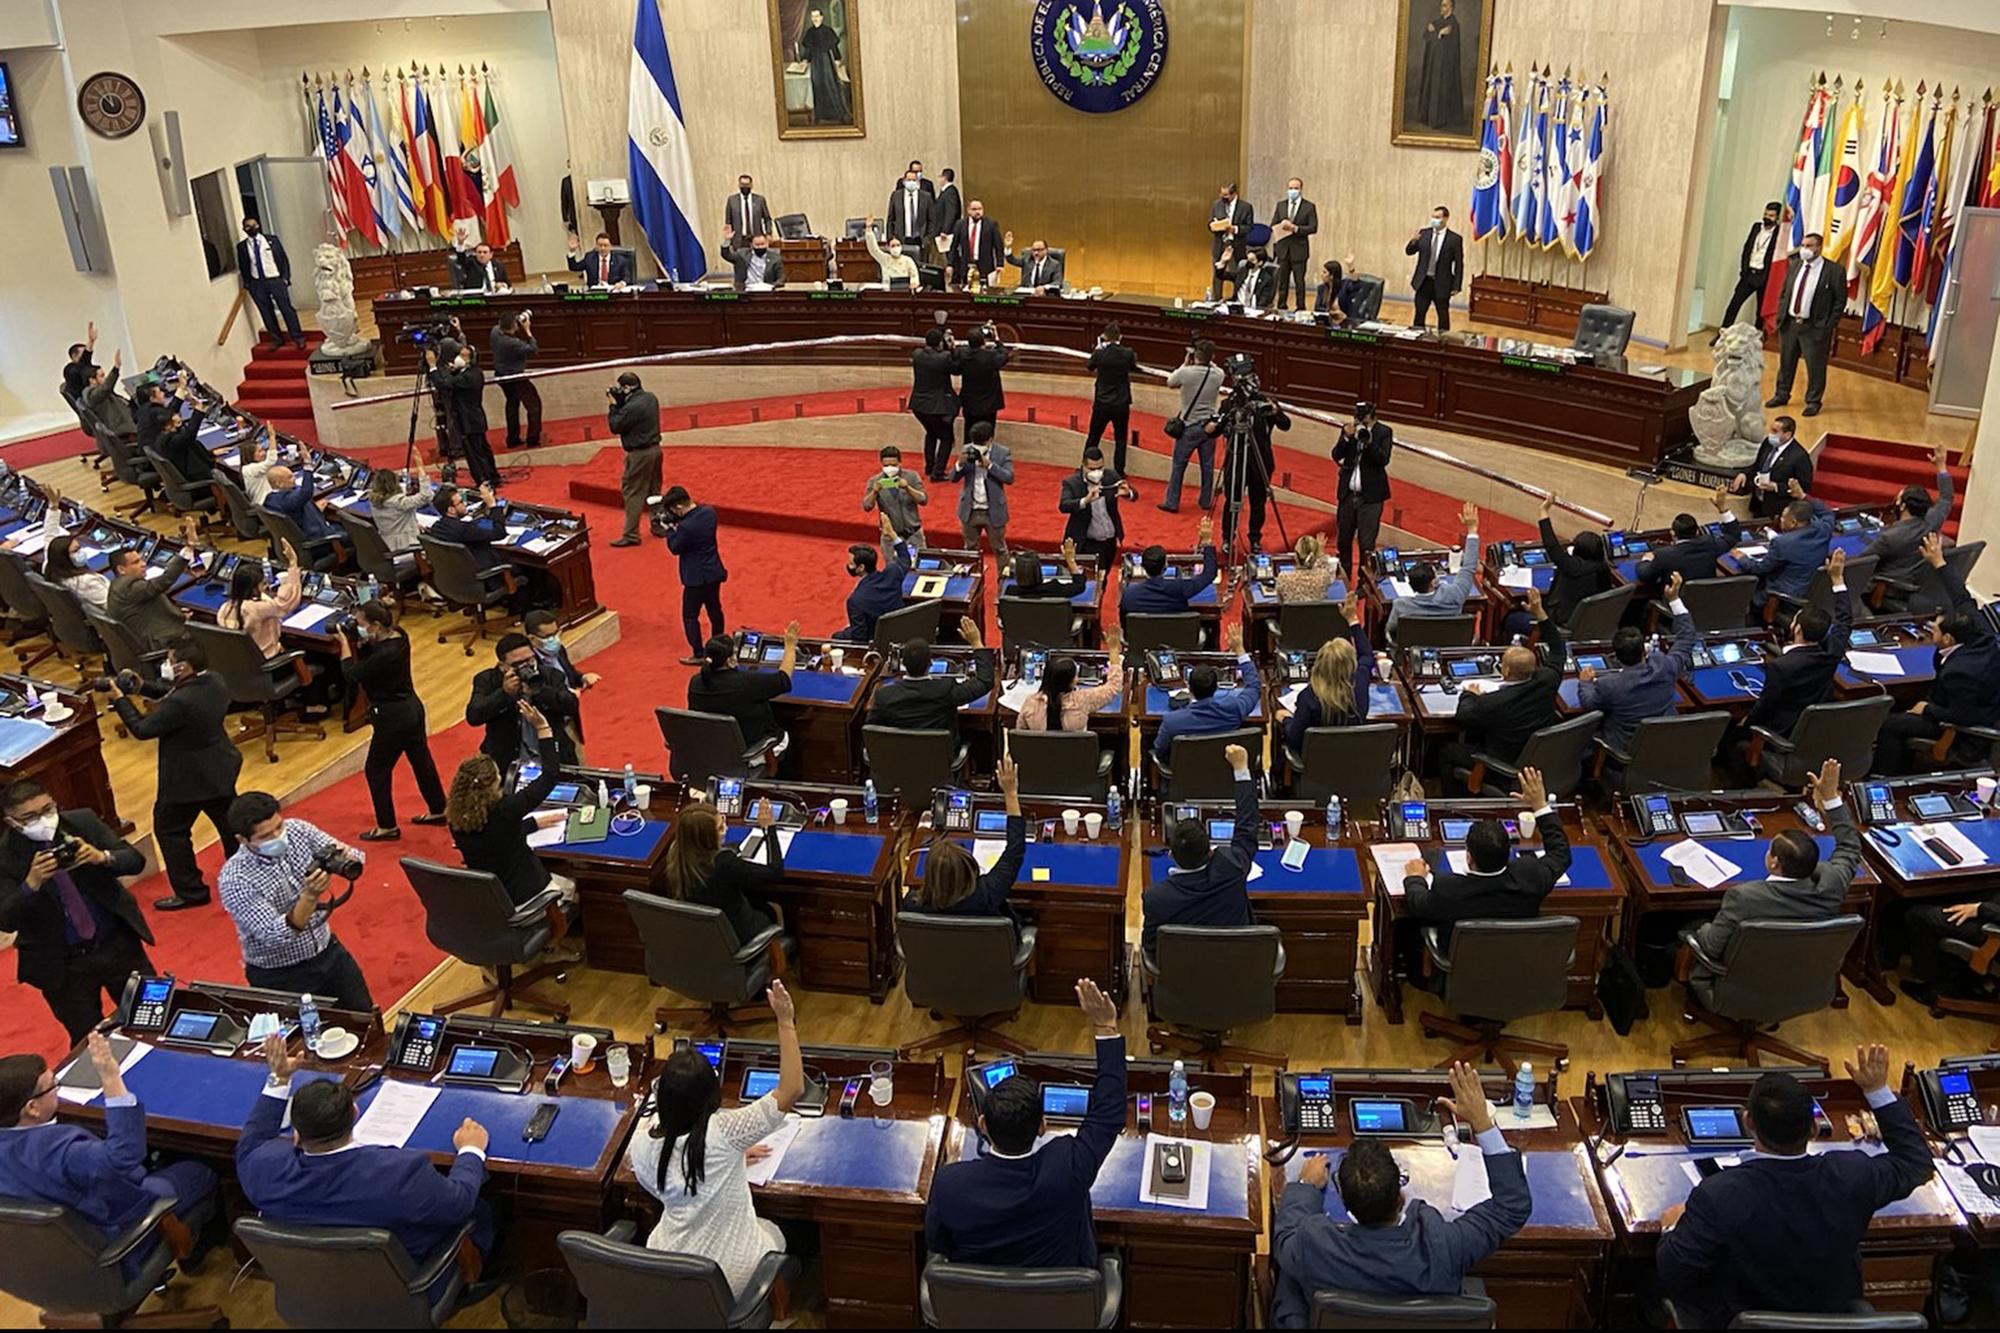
[
  {"x": 1863, "y": 638},
  {"x": 995, "y": 1074},
  {"x": 1713, "y": 1124},
  {"x": 774, "y": 653},
  {"x": 473, "y": 1062},
  {"x": 1065, "y": 1101},
  {"x": 1701, "y": 823},
  {"x": 990, "y": 821},
  {"x": 1534, "y": 556},
  {"x": 1728, "y": 654},
  {"x": 758, "y": 1082},
  {"x": 193, "y": 1025},
  {"x": 1933, "y": 805},
  {"x": 564, "y": 793},
  {"x": 1375, "y": 1117},
  {"x": 1465, "y": 668},
  {"x": 1221, "y": 830},
  {"x": 1454, "y": 830},
  {"x": 1595, "y": 661}
]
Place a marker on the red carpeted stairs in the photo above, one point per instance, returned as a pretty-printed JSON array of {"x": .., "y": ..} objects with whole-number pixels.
[
  {"x": 1858, "y": 470},
  {"x": 274, "y": 388}
]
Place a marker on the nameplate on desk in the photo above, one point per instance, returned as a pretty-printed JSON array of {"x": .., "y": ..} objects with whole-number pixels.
[
  {"x": 599, "y": 294},
  {"x": 833, "y": 296},
  {"x": 723, "y": 295},
  {"x": 1531, "y": 363},
  {"x": 1186, "y": 314},
  {"x": 1350, "y": 336},
  {"x": 437, "y": 301},
  {"x": 983, "y": 299}
]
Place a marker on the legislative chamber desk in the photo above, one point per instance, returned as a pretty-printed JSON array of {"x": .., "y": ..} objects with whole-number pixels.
[
  {"x": 1623, "y": 412},
  {"x": 625, "y": 858},
  {"x": 1644, "y": 1174},
  {"x": 1549, "y": 1274},
  {"x": 1911, "y": 874},
  {"x": 1929, "y": 1093},
  {"x": 65, "y": 756},
  {"x": 1184, "y": 1267},
  {"x": 822, "y": 711},
  {"x": 1385, "y": 576}
]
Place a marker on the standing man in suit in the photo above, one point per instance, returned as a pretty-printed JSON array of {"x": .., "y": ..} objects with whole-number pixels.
[
  {"x": 510, "y": 345},
  {"x": 1293, "y": 223},
  {"x": 1112, "y": 362},
  {"x": 1499, "y": 719},
  {"x": 1440, "y": 269},
  {"x": 633, "y": 415},
  {"x": 1362, "y": 454},
  {"x": 1694, "y": 550},
  {"x": 1207, "y": 885},
  {"x": 1898, "y": 546},
  {"x": 1007, "y": 1202},
  {"x": 976, "y": 247},
  {"x": 1794, "y": 556},
  {"x": 745, "y": 213},
  {"x": 947, "y": 208},
  {"x": 1393, "y": 1246},
  {"x": 1229, "y": 220},
  {"x": 198, "y": 766},
  {"x": 1040, "y": 271},
  {"x": 1090, "y": 497},
  {"x": 1760, "y": 246},
  {"x": 267, "y": 275},
  {"x": 933, "y": 402},
  {"x": 77, "y": 932},
  {"x": 1646, "y": 683},
  {"x": 498, "y": 692},
  {"x": 603, "y": 266},
  {"x": 1808, "y": 315},
  {"x": 756, "y": 262},
  {"x": 1964, "y": 693},
  {"x": 482, "y": 270},
  {"x": 691, "y": 537},
  {"x": 1800, "y": 674},
  {"x": 985, "y": 470},
  {"x": 1783, "y": 1230},
  {"x": 458, "y": 377},
  {"x": 981, "y": 395},
  {"x": 1154, "y": 593},
  {"x": 1496, "y": 885},
  {"x": 923, "y": 702},
  {"x": 911, "y": 218},
  {"x": 1781, "y": 459}
]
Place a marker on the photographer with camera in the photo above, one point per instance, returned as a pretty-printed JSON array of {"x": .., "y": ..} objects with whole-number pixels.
[
  {"x": 633, "y": 415},
  {"x": 375, "y": 656},
  {"x": 497, "y": 693},
  {"x": 690, "y": 532},
  {"x": 980, "y": 393},
  {"x": 1248, "y": 418},
  {"x": 1362, "y": 454},
  {"x": 198, "y": 762},
  {"x": 455, "y": 373},
  {"x": 1194, "y": 429},
  {"x": 275, "y": 888},
  {"x": 932, "y": 400},
  {"x": 986, "y": 470},
  {"x": 77, "y": 932},
  {"x": 510, "y": 345}
]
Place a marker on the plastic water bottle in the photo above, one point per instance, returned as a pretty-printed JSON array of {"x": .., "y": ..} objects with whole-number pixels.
[
  {"x": 1114, "y": 808},
  {"x": 309, "y": 1022},
  {"x": 1177, "y": 1093},
  {"x": 374, "y": 589},
  {"x": 1451, "y": 1138},
  {"x": 631, "y": 786},
  {"x": 270, "y": 574},
  {"x": 1524, "y": 1091},
  {"x": 1332, "y": 817},
  {"x": 870, "y": 807}
]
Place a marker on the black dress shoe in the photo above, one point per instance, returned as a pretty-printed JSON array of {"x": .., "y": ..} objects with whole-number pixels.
[
  {"x": 1811, "y": 410},
  {"x": 429, "y": 821},
  {"x": 625, "y": 541},
  {"x": 176, "y": 903},
  {"x": 1922, "y": 992},
  {"x": 382, "y": 835},
  {"x": 1776, "y": 400}
]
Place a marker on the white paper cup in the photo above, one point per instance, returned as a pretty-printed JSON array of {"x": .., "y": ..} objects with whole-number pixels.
[
  {"x": 1070, "y": 819},
  {"x": 1294, "y": 821},
  {"x": 1527, "y": 826},
  {"x": 642, "y": 795},
  {"x": 838, "y": 807},
  {"x": 1201, "y": 1105},
  {"x": 1984, "y": 788},
  {"x": 1092, "y": 823},
  {"x": 582, "y": 1049},
  {"x": 836, "y": 656},
  {"x": 881, "y": 1082}
]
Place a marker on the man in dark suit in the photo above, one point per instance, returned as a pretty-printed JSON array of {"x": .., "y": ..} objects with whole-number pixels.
[
  {"x": 1782, "y": 1230},
  {"x": 77, "y": 368},
  {"x": 981, "y": 395},
  {"x": 603, "y": 266},
  {"x": 142, "y": 605},
  {"x": 911, "y": 219},
  {"x": 1440, "y": 269},
  {"x": 1205, "y": 885},
  {"x": 1498, "y": 720},
  {"x": 1090, "y": 497},
  {"x": 1362, "y": 454},
  {"x": 1753, "y": 269},
  {"x": 976, "y": 247},
  {"x": 1159, "y": 595},
  {"x": 1392, "y": 1246},
  {"x": 878, "y": 586},
  {"x": 1007, "y": 1202},
  {"x": 455, "y": 372},
  {"x": 456, "y": 524},
  {"x": 292, "y": 494},
  {"x": 1257, "y": 284},
  {"x": 198, "y": 766},
  {"x": 1496, "y": 885},
  {"x": 1793, "y": 557},
  {"x": 1041, "y": 270},
  {"x": 1799, "y": 675},
  {"x": 933, "y": 402},
  {"x": 1898, "y": 546},
  {"x": 1112, "y": 362},
  {"x": 745, "y": 213},
  {"x": 1781, "y": 459},
  {"x": 1964, "y": 693},
  {"x": 1693, "y": 551},
  {"x": 920, "y": 701},
  {"x": 497, "y": 693},
  {"x": 1808, "y": 314},
  {"x": 755, "y": 262},
  {"x": 1293, "y": 223},
  {"x": 481, "y": 270},
  {"x": 1646, "y": 683},
  {"x": 947, "y": 208},
  {"x": 317, "y": 1176},
  {"x": 163, "y": 425},
  {"x": 691, "y": 531},
  {"x": 267, "y": 275},
  {"x": 1229, "y": 220},
  {"x": 77, "y": 932}
]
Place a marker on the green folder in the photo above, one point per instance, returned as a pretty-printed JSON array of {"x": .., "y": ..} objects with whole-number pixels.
[{"x": 590, "y": 823}]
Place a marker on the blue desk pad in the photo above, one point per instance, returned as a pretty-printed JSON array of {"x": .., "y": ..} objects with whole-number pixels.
[
  {"x": 1913, "y": 862},
  {"x": 865, "y": 1153},
  {"x": 1092, "y": 865},
  {"x": 1654, "y": 1179},
  {"x": 21, "y": 737},
  {"x": 1336, "y": 591},
  {"x": 1118, "y": 1180},
  {"x": 1088, "y": 597},
  {"x": 824, "y": 852},
  {"x": 1157, "y": 705},
  {"x": 957, "y": 587},
  {"x": 638, "y": 845},
  {"x": 1384, "y": 700},
  {"x": 1748, "y": 853},
  {"x": 1558, "y": 1180},
  {"x": 1327, "y": 870},
  {"x": 832, "y": 687},
  {"x": 1919, "y": 662},
  {"x": 1714, "y": 683}
]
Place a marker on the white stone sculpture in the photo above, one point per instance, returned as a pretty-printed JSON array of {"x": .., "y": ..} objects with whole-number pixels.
[
  {"x": 334, "y": 279},
  {"x": 1727, "y": 419}
]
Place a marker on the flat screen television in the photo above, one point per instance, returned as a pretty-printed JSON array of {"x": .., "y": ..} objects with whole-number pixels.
[{"x": 10, "y": 115}]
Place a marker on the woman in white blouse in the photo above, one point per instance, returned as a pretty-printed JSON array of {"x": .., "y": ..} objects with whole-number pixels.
[{"x": 690, "y": 1155}]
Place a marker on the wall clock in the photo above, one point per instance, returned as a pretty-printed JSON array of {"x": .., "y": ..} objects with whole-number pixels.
[{"x": 111, "y": 104}]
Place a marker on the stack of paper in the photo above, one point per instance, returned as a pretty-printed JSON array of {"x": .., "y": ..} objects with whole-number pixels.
[
  {"x": 1016, "y": 694},
  {"x": 1290, "y": 698},
  {"x": 1516, "y": 576},
  {"x": 1702, "y": 865},
  {"x": 1969, "y": 853},
  {"x": 1456, "y": 859},
  {"x": 1436, "y": 701},
  {"x": 395, "y": 1113},
  {"x": 1402, "y": 587},
  {"x": 310, "y": 616},
  {"x": 1390, "y": 858},
  {"x": 765, "y": 1169},
  {"x": 1875, "y": 664}
]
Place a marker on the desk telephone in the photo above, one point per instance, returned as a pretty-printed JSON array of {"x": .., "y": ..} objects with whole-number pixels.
[
  {"x": 1297, "y": 665},
  {"x": 416, "y": 1042},
  {"x": 951, "y": 810},
  {"x": 1409, "y": 821},
  {"x": 143, "y": 1006},
  {"x": 1632, "y": 1104},
  {"x": 1164, "y": 666},
  {"x": 1949, "y": 1101},
  {"x": 1305, "y": 1103}
]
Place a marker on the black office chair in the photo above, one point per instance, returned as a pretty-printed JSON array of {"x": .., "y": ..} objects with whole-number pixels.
[
  {"x": 1195, "y": 769},
  {"x": 1308, "y": 625},
  {"x": 1367, "y": 297},
  {"x": 1204, "y": 981},
  {"x": 1773, "y": 970},
  {"x": 701, "y": 746},
  {"x": 326, "y": 554},
  {"x": 1495, "y": 972},
  {"x": 1844, "y": 731},
  {"x": 1472, "y": 1308},
  {"x": 1598, "y": 616},
  {"x": 854, "y": 229},
  {"x": 1674, "y": 753},
  {"x": 1719, "y": 604},
  {"x": 1603, "y": 330},
  {"x": 71, "y": 628},
  {"x": 27, "y": 614},
  {"x": 627, "y": 1285},
  {"x": 469, "y": 915},
  {"x": 969, "y": 968},
  {"x": 1357, "y": 764},
  {"x": 128, "y": 467},
  {"x": 1958, "y": 746},
  {"x": 911, "y": 763},
  {"x": 52, "y": 1259},
  {"x": 919, "y": 620},
  {"x": 353, "y": 1277},
  {"x": 1061, "y": 763},
  {"x": 1926, "y": 593},
  {"x": 1860, "y": 573},
  {"x": 1458, "y": 631},
  {"x": 270, "y": 685},
  {"x": 1559, "y": 751},
  {"x": 1978, "y": 959},
  {"x": 693, "y": 950},
  {"x": 372, "y": 556},
  {"x": 793, "y": 227},
  {"x": 183, "y": 496},
  {"x": 465, "y": 587},
  {"x": 983, "y": 1296},
  {"x": 1180, "y": 630},
  {"x": 244, "y": 517},
  {"x": 1038, "y": 622}
]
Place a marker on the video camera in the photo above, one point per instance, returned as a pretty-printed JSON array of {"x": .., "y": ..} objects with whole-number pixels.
[
  {"x": 127, "y": 680},
  {"x": 422, "y": 335}
]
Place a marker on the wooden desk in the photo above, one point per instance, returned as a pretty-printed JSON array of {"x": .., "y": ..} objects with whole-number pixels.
[
  {"x": 605, "y": 869},
  {"x": 1907, "y": 874},
  {"x": 822, "y": 712},
  {"x": 963, "y": 593},
  {"x": 1551, "y": 1273},
  {"x": 1184, "y": 1267},
  {"x": 1592, "y": 896},
  {"x": 1982, "y": 1074},
  {"x": 66, "y": 757},
  {"x": 1209, "y": 603},
  {"x": 1908, "y": 642},
  {"x": 1714, "y": 682},
  {"x": 978, "y": 721},
  {"x": 1380, "y": 576},
  {"x": 1151, "y": 703}
]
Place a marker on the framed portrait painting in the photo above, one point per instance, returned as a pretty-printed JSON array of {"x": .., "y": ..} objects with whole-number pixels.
[
  {"x": 1443, "y": 50},
  {"x": 816, "y": 62}
]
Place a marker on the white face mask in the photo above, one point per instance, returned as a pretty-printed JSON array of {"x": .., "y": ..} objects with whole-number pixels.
[
  {"x": 909, "y": 185},
  {"x": 1809, "y": 254},
  {"x": 42, "y": 828},
  {"x": 167, "y": 672},
  {"x": 896, "y": 250},
  {"x": 1437, "y": 224},
  {"x": 890, "y": 469},
  {"x": 1094, "y": 475}
]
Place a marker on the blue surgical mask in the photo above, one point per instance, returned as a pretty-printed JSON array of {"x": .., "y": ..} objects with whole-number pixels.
[
  {"x": 1292, "y": 195},
  {"x": 551, "y": 645},
  {"x": 909, "y": 185},
  {"x": 273, "y": 848}
]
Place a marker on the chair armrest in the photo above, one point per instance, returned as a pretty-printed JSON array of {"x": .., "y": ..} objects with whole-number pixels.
[
  {"x": 285, "y": 659},
  {"x": 127, "y": 1242},
  {"x": 624, "y": 1231},
  {"x": 958, "y": 760},
  {"x": 440, "y": 1263},
  {"x": 1025, "y": 949},
  {"x": 771, "y": 1269},
  {"x": 1294, "y": 761},
  {"x": 1772, "y": 738},
  {"x": 756, "y": 945},
  {"x": 755, "y": 754},
  {"x": 1114, "y": 1290},
  {"x": 1612, "y": 751},
  {"x": 1693, "y": 945},
  {"x": 531, "y": 912},
  {"x": 1160, "y": 765},
  {"x": 488, "y": 574},
  {"x": 1506, "y": 770},
  {"x": 1147, "y": 965},
  {"x": 1434, "y": 951}
]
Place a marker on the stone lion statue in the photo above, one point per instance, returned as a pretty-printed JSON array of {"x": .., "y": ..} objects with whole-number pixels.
[
  {"x": 1727, "y": 418},
  {"x": 334, "y": 279}
]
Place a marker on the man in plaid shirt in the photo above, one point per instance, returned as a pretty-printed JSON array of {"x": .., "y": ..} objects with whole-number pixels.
[{"x": 273, "y": 891}]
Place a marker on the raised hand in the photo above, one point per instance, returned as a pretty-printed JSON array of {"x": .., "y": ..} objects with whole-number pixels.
[
  {"x": 1232, "y": 638},
  {"x": 969, "y": 631},
  {"x": 1869, "y": 1068},
  {"x": 280, "y": 1062},
  {"x": 1468, "y": 1099},
  {"x": 728, "y": 232},
  {"x": 533, "y": 717},
  {"x": 1932, "y": 549},
  {"x": 1939, "y": 457},
  {"x": 1097, "y": 1007},
  {"x": 792, "y": 633},
  {"x": 1534, "y": 793},
  {"x": 1468, "y": 515},
  {"x": 1236, "y": 757},
  {"x": 1674, "y": 581},
  {"x": 1548, "y": 505},
  {"x": 780, "y": 1001},
  {"x": 105, "y": 1061},
  {"x": 1824, "y": 788},
  {"x": 1793, "y": 489},
  {"x": 1718, "y": 499},
  {"x": 1204, "y": 531},
  {"x": 1007, "y": 776},
  {"x": 1836, "y": 565}
]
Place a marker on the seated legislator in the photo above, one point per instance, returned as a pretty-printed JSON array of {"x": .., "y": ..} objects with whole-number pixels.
[
  {"x": 1431, "y": 596},
  {"x": 259, "y": 457},
  {"x": 1029, "y": 582},
  {"x": 1787, "y": 566},
  {"x": 1782, "y": 1230},
  {"x": 1336, "y": 692},
  {"x": 497, "y": 695},
  {"x": 1497, "y": 885},
  {"x": 876, "y": 592},
  {"x": 318, "y": 1176},
  {"x": 140, "y": 603},
  {"x": 1059, "y": 705},
  {"x": 1207, "y": 886},
  {"x": 754, "y": 263},
  {"x": 603, "y": 266},
  {"x": 60, "y": 566},
  {"x": 257, "y": 612},
  {"x": 490, "y": 825},
  {"x": 1800, "y": 674},
  {"x": 1694, "y": 550},
  {"x": 1499, "y": 719},
  {"x": 919, "y": 701},
  {"x": 1007, "y": 1202},
  {"x": 476, "y": 535},
  {"x": 953, "y": 884},
  {"x": 1213, "y": 709},
  {"x": 745, "y": 694},
  {"x": 894, "y": 264},
  {"x": 1582, "y": 569},
  {"x": 690, "y": 1154},
  {"x": 1157, "y": 594},
  {"x": 1311, "y": 576},
  {"x": 1337, "y": 294},
  {"x": 1899, "y": 545},
  {"x": 292, "y": 496},
  {"x": 1964, "y": 693},
  {"x": 1394, "y": 1246},
  {"x": 701, "y": 869},
  {"x": 1647, "y": 682},
  {"x": 104, "y": 1180},
  {"x": 393, "y": 508},
  {"x": 1796, "y": 886},
  {"x": 1041, "y": 271},
  {"x": 1925, "y": 927}
]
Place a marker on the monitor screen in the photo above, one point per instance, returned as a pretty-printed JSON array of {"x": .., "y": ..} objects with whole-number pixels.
[
  {"x": 1533, "y": 556},
  {"x": 1065, "y": 1101},
  {"x": 155, "y": 990},
  {"x": 1957, "y": 1083},
  {"x": 10, "y": 115},
  {"x": 1728, "y": 653},
  {"x": 961, "y": 801},
  {"x": 758, "y": 1082},
  {"x": 1863, "y": 638},
  {"x": 1932, "y": 805},
  {"x": 1315, "y": 1087},
  {"x": 1709, "y": 1124},
  {"x": 1454, "y": 830},
  {"x": 473, "y": 1062},
  {"x": 995, "y": 1074},
  {"x": 1700, "y": 822},
  {"x": 1221, "y": 830},
  {"x": 1465, "y": 668},
  {"x": 990, "y": 821},
  {"x": 1378, "y": 1117},
  {"x": 193, "y": 1025},
  {"x": 774, "y": 653},
  {"x": 711, "y": 1051},
  {"x": 941, "y": 666}
]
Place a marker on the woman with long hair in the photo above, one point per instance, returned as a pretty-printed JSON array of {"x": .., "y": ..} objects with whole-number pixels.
[
  {"x": 952, "y": 884},
  {"x": 490, "y": 826},
  {"x": 1029, "y": 581},
  {"x": 60, "y": 566},
  {"x": 1059, "y": 704},
  {"x": 744, "y": 693},
  {"x": 1311, "y": 575},
  {"x": 394, "y": 509},
  {"x": 377, "y": 659},
  {"x": 1336, "y": 692},
  {"x": 1583, "y": 568},
  {"x": 690, "y": 1154},
  {"x": 701, "y": 870},
  {"x": 261, "y": 615}
]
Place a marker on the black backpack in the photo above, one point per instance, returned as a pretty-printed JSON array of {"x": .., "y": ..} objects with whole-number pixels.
[{"x": 1621, "y": 992}]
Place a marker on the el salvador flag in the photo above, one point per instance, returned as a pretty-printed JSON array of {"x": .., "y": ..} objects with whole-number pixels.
[{"x": 662, "y": 171}]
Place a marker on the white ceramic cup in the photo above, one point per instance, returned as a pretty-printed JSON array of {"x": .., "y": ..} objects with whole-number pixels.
[
  {"x": 1092, "y": 824},
  {"x": 1201, "y": 1105},
  {"x": 642, "y": 795},
  {"x": 1070, "y": 820},
  {"x": 1984, "y": 788},
  {"x": 836, "y": 656},
  {"x": 838, "y": 806},
  {"x": 582, "y": 1047},
  {"x": 1294, "y": 821}
]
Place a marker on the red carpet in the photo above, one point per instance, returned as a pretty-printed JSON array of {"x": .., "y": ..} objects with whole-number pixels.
[
  {"x": 1854, "y": 469},
  {"x": 274, "y": 388}
]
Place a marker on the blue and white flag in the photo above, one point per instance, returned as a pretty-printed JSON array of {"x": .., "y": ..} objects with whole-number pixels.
[
  {"x": 661, "y": 168},
  {"x": 1489, "y": 202},
  {"x": 1589, "y": 219}
]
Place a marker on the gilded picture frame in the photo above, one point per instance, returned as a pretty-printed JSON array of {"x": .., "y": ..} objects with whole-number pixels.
[
  {"x": 1443, "y": 50},
  {"x": 816, "y": 68}
]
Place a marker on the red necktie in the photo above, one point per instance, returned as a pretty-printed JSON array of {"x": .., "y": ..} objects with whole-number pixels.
[
  {"x": 972, "y": 243},
  {"x": 74, "y": 907},
  {"x": 604, "y": 269},
  {"x": 1799, "y": 292}
]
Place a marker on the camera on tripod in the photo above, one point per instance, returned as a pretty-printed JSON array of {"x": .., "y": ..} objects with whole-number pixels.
[{"x": 422, "y": 335}]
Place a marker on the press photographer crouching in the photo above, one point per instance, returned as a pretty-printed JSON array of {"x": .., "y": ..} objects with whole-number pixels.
[{"x": 279, "y": 889}]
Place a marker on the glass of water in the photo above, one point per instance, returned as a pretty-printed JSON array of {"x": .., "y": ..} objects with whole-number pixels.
[
  {"x": 618, "y": 1064},
  {"x": 882, "y": 1084}
]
